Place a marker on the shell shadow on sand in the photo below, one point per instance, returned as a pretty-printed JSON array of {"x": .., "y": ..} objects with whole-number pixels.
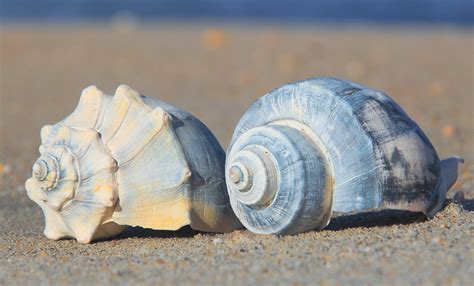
[
  {"x": 374, "y": 219},
  {"x": 365, "y": 220},
  {"x": 387, "y": 217},
  {"x": 138, "y": 232},
  {"x": 468, "y": 205}
]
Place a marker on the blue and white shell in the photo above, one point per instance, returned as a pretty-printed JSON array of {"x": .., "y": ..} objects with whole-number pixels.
[
  {"x": 313, "y": 149},
  {"x": 129, "y": 160}
]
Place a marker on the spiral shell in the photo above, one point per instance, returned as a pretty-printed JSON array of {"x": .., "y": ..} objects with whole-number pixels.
[
  {"x": 314, "y": 149},
  {"x": 129, "y": 160}
]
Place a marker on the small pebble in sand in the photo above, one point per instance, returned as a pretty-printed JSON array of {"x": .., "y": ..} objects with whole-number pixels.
[
  {"x": 437, "y": 240},
  {"x": 448, "y": 130},
  {"x": 145, "y": 250},
  {"x": 217, "y": 241}
]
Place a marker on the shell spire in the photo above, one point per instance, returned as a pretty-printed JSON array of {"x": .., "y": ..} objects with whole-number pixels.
[{"x": 128, "y": 160}]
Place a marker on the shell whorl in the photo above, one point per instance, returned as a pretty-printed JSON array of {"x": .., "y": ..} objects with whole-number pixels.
[
  {"x": 273, "y": 159},
  {"x": 128, "y": 160},
  {"x": 368, "y": 155}
]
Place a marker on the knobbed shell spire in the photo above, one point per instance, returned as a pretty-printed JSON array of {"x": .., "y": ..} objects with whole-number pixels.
[
  {"x": 314, "y": 149},
  {"x": 130, "y": 160}
]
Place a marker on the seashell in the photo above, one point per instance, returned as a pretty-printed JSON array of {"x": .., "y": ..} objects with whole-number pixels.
[
  {"x": 129, "y": 160},
  {"x": 311, "y": 150}
]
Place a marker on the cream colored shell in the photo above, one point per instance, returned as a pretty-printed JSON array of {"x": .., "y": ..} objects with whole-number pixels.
[{"x": 129, "y": 160}]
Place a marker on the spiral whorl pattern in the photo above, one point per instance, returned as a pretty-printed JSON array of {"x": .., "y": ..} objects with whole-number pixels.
[{"x": 264, "y": 166}]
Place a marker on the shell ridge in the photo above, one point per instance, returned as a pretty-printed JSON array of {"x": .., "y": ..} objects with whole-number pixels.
[
  {"x": 158, "y": 119},
  {"x": 100, "y": 171},
  {"x": 175, "y": 152},
  {"x": 139, "y": 124},
  {"x": 108, "y": 139},
  {"x": 118, "y": 109},
  {"x": 76, "y": 164},
  {"x": 141, "y": 200},
  {"x": 80, "y": 156},
  {"x": 88, "y": 137},
  {"x": 103, "y": 108},
  {"x": 87, "y": 111}
]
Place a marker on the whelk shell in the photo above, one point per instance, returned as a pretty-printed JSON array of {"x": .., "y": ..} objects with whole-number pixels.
[
  {"x": 129, "y": 160},
  {"x": 318, "y": 148}
]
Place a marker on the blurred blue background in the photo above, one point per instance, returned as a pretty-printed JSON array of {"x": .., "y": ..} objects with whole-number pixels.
[{"x": 452, "y": 12}]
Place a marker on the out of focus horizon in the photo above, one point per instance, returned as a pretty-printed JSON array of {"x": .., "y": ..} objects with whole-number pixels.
[{"x": 425, "y": 12}]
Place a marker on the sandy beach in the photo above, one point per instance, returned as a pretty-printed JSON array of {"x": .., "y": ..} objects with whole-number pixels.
[{"x": 215, "y": 72}]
